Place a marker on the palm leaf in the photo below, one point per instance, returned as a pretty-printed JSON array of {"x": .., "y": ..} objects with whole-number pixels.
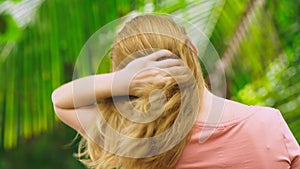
[{"x": 242, "y": 32}]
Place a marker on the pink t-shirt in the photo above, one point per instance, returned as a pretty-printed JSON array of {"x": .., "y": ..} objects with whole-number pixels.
[{"x": 260, "y": 139}]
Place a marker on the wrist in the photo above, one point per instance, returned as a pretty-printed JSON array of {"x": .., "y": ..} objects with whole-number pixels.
[{"x": 120, "y": 82}]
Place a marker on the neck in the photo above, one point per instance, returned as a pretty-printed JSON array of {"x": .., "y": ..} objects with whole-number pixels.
[{"x": 209, "y": 105}]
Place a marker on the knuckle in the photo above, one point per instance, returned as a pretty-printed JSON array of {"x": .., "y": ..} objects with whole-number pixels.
[
  {"x": 160, "y": 82},
  {"x": 177, "y": 60},
  {"x": 153, "y": 72},
  {"x": 149, "y": 64}
]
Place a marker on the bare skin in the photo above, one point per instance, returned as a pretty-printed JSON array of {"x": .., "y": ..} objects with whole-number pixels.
[
  {"x": 143, "y": 70},
  {"x": 230, "y": 109}
]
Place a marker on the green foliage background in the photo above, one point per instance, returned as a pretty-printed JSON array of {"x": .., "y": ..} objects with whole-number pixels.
[{"x": 257, "y": 39}]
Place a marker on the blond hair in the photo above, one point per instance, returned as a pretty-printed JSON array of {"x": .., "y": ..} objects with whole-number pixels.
[{"x": 146, "y": 32}]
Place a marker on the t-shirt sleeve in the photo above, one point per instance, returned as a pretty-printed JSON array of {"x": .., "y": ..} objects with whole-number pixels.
[{"x": 291, "y": 143}]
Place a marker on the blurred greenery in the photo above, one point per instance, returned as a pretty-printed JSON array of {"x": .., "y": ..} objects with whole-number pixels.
[
  {"x": 9, "y": 29},
  {"x": 258, "y": 40},
  {"x": 47, "y": 151}
]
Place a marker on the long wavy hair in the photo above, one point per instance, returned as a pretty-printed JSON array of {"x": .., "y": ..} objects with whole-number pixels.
[{"x": 139, "y": 37}]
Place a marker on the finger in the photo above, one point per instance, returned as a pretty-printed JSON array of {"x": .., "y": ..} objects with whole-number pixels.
[
  {"x": 177, "y": 70},
  {"x": 150, "y": 73},
  {"x": 158, "y": 82},
  {"x": 167, "y": 63},
  {"x": 158, "y": 54},
  {"x": 184, "y": 80}
]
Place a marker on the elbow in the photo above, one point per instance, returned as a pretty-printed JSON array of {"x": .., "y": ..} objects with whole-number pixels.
[
  {"x": 61, "y": 99},
  {"x": 56, "y": 99},
  {"x": 57, "y": 105}
]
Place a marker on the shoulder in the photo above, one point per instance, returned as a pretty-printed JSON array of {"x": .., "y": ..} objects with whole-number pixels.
[
  {"x": 276, "y": 123},
  {"x": 256, "y": 117},
  {"x": 267, "y": 122},
  {"x": 238, "y": 110},
  {"x": 267, "y": 114},
  {"x": 265, "y": 109}
]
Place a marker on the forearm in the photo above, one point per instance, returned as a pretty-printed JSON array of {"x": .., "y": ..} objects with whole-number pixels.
[
  {"x": 84, "y": 91},
  {"x": 88, "y": 90}
]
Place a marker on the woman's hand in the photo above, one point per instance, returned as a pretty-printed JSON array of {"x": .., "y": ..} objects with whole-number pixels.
[
  {"x": 138, "y": 73},
  {"x": 82, "y": 94},
  {"x": 152, "y": 70}
]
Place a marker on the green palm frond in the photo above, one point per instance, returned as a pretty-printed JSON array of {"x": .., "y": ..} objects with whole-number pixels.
[
  {"x": 250, "y": 36},
  {"x": 45, "y": 55},
  {"x": 41, "y": 61}
]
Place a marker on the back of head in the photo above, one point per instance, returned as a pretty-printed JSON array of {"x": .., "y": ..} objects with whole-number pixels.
[{"x": 139, "y": 37}]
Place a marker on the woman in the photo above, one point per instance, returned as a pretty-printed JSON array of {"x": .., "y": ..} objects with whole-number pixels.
[{"x": 145, "y": 52}]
